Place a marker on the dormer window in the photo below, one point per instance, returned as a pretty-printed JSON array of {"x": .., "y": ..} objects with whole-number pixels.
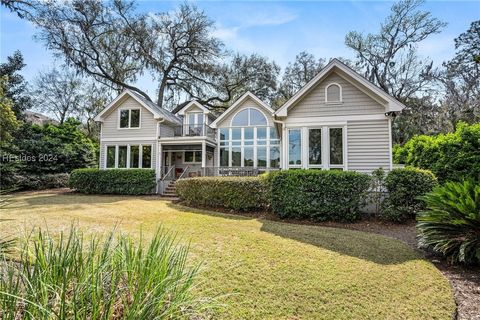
[
  {"x": 333, "y": 93},
  {"x": 129, "y": 118}
]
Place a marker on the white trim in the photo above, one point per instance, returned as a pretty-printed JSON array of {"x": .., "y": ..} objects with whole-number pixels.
[
  {"x": 100, "y": 116},
  {"x": 326, "y": 93},
  {"x": 181, "y": 112},
  {"x": 129, "y": 139},
  {"x": 391, "y": 105},
  {"x": 329, "y": 119},
  {"x": 119, "y": 110},
  {"x": 287, "y": 151},
  {"x": 238, "y": 102}
]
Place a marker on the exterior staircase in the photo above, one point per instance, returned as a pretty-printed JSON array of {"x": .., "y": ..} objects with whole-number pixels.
[{"x": 170, "y": 190}]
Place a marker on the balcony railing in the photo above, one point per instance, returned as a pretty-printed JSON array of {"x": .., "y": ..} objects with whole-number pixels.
[{"x": 194, "y": 130}]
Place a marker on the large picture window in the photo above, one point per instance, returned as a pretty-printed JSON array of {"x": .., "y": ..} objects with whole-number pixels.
[
  {"x": 249, "y": 142},
  {"x": 128, "y": 156},
  {"x": 193, "y": 156},
  {"x": 295, "y": 147},
  {"x": 129, "y": 118}
]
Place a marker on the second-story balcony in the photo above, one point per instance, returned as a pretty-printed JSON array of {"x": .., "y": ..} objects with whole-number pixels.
[{"x": 194, "y": 130}]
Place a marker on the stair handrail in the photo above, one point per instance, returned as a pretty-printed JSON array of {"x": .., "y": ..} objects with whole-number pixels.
[
  {"x": 184, "y": 171},
  {"x": 168, "y": 172}
]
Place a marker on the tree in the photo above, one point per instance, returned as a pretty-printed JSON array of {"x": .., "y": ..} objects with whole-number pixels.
[
  {"x": 96, "y": 97},
  {"x": 461, "y": 79},
  {"x": 59, "y": 93},
  {"x": 8, "y": 121},
  {"x": 390, "y": 57},
  {"x": 297, "y": 74},
  {"x": 15, "y": 86},
  {"x": 229, "y": 80}
]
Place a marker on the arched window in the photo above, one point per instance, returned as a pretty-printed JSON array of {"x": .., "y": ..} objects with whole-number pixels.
[
  {"x": 249, "y": 117},
  {"x": 333, "y": 93}
]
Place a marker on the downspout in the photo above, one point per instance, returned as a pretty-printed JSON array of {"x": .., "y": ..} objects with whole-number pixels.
[{"x": 281, "y": 124}]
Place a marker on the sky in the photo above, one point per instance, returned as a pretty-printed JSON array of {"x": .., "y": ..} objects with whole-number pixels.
[{"x": 278, "y": 30}]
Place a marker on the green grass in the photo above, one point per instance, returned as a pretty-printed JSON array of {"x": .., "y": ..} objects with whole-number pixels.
[{"x": 263, "y": 269}]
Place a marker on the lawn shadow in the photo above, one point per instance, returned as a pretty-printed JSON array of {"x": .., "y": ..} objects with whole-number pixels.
[
  {"x": 209, "y": 212},
  {"x": 363, "y": 245},
  {"x": 72, "y": 198}
]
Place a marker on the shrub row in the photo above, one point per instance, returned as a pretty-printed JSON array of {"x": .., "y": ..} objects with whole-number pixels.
[
  {"x": 236, "y": 193},
  {"x": 453, "y": 156},
  {"x": 404, "y": 187},
  {"x": 318, "y": 195},
  {"x": 113, "y": 181}
]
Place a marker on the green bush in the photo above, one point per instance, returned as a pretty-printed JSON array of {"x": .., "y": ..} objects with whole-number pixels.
[
  {"x": 319, "y": 195},
  {"x": 39, "y": 182},
  {"x": 113, "y": 181},
  {"x": 451, "y": 157},
  {"x": 404, "y": 186},
  {"x": 451, "y": 225},
  {"x": 236, "y": 193},
  {"x": 100, "y": 278}
]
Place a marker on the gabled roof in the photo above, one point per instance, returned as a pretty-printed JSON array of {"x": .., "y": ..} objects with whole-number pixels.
[
  {"x": 158, "y": 113},
  {"x": 238, "y": 102},
  {"x": 390, "y": 103},
  {"x": 195, "y": 103}
]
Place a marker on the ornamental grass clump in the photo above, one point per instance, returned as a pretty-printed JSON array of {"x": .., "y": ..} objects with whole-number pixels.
[
  {"x": 111, "y": 277},
  {"x": 451, "y": 225}
]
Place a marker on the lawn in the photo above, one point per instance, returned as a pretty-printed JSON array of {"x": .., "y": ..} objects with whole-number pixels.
[{"x": 262, "y": 269}]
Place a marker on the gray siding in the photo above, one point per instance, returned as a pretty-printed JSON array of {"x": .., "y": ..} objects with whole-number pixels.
[
  {"x": 166, "y": 131},
  {"x": 102, "y": 162},
  {"x": 247, "y": 103},
  {"x": 147, "y": 122},
  {"x": 355, "y": 102},
  {"x": 368, "y": 144}
]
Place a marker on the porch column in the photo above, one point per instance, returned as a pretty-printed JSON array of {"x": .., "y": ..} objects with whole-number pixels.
[{"x": 204, "y": 155}]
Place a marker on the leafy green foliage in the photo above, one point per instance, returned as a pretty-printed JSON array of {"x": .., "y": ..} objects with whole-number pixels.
[
  {"x": 113, "y": 181},
  {"x": 236, "y": 193},
  {"x": 16, "y": 87},
  {"x": 451, "y": 225},
  {"x": 8, "y": 120},
  {"x": 319, "y": 195},
  {"x": 451, "y": 156},
  {"x": 38, "y": 153},
  {"x": 100, "y": 278},
  {"x": 404, "y": 186}
]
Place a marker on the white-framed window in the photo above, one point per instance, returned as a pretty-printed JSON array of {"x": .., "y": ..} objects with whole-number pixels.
[
  {"x": 126, "y": 156},
  {"x": 129, "y": 118},
  {"x": 249, "y": 117},
  {"x": 317, "y": 147},
  {"x": 333, "y": 93},
  {"x": 295, "y": 147},
  {"x": 257, "y": 147},
  {"x": 336, "y": 157},
  {"x": 192, "y": 157}
]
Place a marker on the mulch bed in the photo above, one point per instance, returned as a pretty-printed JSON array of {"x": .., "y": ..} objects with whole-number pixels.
[{"x": 465, "y": 281}]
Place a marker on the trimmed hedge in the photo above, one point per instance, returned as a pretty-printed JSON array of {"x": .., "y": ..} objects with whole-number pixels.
[
  {"x": 319, "y": 195},
  {"x": 113, "y": 181},
  {"x": 404, "y": 187},
  {"x": 451, "y": 157},
  {"x": 236, "y": 193}
]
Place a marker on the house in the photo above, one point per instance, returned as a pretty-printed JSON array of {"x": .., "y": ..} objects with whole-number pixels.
[{"x": 337, "y": 121}]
